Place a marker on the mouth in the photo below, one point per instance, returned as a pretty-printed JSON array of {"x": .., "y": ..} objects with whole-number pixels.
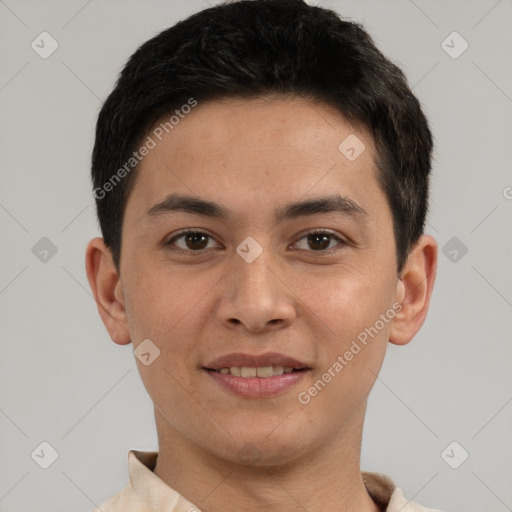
[
  {"x": 256, "y": 371},
  {"x": 256, "y": 376},
  {"x": 244, "y": 365}
]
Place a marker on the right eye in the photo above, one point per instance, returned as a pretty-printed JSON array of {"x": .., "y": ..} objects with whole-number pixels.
[{"x": 191, "y": 241}]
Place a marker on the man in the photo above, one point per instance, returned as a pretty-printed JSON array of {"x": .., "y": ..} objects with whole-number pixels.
[{"x": 261, "y": 174}]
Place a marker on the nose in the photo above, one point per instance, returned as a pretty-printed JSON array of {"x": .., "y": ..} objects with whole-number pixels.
[{"x": 257, "y": 297}]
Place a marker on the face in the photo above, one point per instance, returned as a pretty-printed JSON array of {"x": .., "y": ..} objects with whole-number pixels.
[{"x": 250, "y": 240}]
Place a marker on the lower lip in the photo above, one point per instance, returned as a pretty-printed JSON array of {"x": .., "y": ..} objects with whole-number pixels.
[{"x": 257, "y": 387}]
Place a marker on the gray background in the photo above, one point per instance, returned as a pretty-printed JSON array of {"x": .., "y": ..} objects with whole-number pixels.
[{"x": 64, "y": 382}]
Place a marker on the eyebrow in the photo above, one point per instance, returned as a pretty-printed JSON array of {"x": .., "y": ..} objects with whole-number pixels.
[{"x": 327, "y": 204}]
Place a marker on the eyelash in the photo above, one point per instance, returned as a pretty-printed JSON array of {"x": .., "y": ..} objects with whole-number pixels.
[{"x": 330, "y": 250}]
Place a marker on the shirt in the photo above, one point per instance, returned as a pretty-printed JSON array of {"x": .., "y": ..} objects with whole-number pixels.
[{"x": 148, "y": 493}]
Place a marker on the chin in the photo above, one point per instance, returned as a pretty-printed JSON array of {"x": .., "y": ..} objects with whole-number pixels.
[{"x": 264, "y": 446}]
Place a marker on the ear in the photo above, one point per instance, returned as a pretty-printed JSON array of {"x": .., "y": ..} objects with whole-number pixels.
[
  {"x": 414, "y": 290},
  {"x": 107, "y": 290}
]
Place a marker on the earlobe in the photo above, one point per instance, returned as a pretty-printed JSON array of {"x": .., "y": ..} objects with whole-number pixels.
[
  {"x": 414, "y": 290},
  {"x": 107, "y": 290}
]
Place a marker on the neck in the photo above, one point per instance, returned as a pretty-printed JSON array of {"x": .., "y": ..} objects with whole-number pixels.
[{"x": 326, "y": 478}]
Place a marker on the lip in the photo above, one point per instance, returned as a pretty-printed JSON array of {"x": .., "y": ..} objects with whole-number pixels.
[
  {"x": 256, "y": 387},
  {"x": 254, "y": 360}
]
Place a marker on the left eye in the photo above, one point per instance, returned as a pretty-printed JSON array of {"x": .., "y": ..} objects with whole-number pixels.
[{"x": 318, "y": 241}]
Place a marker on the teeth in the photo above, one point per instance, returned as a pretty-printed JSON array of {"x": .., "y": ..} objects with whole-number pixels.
[
  {"x": 246, "y": 371},
  {"x": 260, "y": 371},
  {"x": 264, "y": 371},
  {"x": 277, "y": 370}
]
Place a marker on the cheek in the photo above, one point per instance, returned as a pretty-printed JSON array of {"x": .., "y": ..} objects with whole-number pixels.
[
  {"x": 168, "y": 309},
  {"x": 346, "y": 300},
  {"x": 351, "y": 349},
  {"x": 352, "y": 337},
  {"x": 162, "y": 302}
]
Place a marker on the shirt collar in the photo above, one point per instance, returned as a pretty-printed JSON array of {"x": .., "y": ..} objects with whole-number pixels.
[
  {"x": 380, "y": 487},
  {"x": 156, "y": 492},
  {"x": 149, "y": 487}
]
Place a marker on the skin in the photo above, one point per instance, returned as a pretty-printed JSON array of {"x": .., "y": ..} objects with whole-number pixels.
[{"x": 255, "y": 156}]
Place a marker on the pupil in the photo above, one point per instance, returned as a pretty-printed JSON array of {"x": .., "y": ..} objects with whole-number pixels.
[
  {"x": 321, "y": 239},
  {"x": 196, "y": 240}
]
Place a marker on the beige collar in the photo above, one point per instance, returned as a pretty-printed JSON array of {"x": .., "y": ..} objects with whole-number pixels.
[{"x": 152, "y": 489}]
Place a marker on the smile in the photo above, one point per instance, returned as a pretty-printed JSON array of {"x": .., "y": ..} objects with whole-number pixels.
[
  {"x": 256, "y": 382},
  {"x": 260, "y": 371}
]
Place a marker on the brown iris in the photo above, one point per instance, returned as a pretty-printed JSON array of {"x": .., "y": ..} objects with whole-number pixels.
[
  {"x": 319, "y": 241},
  {"x": 196, "y": 240}
]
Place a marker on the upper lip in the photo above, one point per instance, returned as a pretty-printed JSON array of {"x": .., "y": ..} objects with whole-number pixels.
[{"x": 255, "y": 360}]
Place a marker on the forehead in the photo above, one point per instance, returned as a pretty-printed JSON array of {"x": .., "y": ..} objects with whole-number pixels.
[{"x": 252, "y": 153}]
